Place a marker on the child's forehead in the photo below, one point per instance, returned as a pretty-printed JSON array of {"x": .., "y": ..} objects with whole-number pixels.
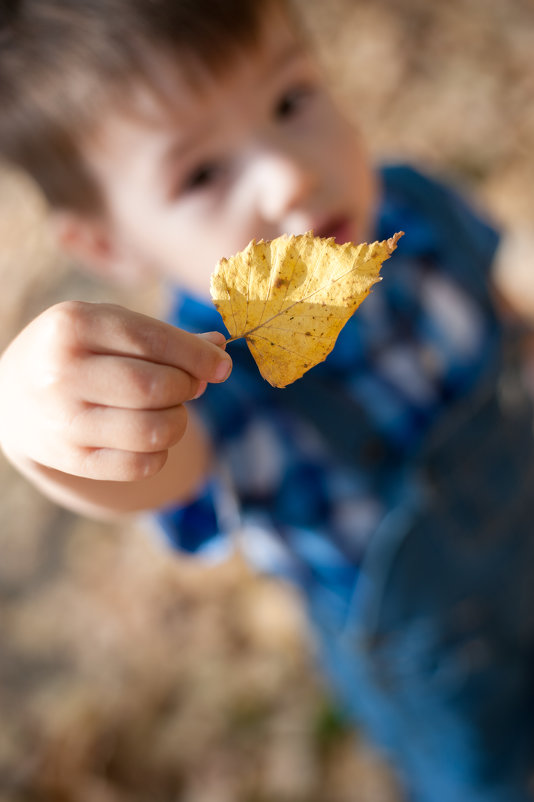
[
  {"x": 274, "y": 40},
  {"x": 175, "y": 85},
  {"x": 185, "y": 93}
]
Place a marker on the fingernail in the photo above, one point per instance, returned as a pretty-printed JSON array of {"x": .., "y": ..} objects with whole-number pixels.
[{"x": 222, "y": 371}]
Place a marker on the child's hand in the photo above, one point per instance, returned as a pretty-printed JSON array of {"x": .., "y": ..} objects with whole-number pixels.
[{"x": 98, "y": 391}]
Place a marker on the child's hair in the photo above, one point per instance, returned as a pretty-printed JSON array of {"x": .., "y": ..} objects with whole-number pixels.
[{"x": 65, "y": 63}]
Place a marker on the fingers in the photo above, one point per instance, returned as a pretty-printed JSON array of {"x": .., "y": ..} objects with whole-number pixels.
[
  {"x": 110, "y": 329},
  {"x": 134, "y": 383},
  {"x": 118, "y": 466},
  {"x": 143, "y": 431},
  {"x": 98, "y": 391}
]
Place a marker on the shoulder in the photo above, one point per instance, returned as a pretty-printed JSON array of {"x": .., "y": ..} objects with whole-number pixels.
[
  {"x": 443, "y": 205},
  {"x": 440, "y": 222}
]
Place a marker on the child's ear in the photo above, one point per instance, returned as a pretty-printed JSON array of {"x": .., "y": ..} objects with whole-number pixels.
[
  {"x": 86, "y": 239},
  {"x": 95, "y": 246}
]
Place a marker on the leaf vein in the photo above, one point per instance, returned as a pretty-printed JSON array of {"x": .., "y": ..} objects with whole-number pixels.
[
  {"x": 299, "y": 301},
  {"x": 282, "y": 347}
]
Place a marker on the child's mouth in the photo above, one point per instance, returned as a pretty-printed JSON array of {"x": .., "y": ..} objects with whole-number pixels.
[{"x": 340, "y": 228}]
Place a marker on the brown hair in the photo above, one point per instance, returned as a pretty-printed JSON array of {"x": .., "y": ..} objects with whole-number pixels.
[{"x": 64, "y": 63}]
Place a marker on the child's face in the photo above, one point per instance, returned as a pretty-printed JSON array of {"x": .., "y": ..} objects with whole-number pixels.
[{"x": 259, "y": 152}]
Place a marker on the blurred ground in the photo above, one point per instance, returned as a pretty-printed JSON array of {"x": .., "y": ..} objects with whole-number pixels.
[{"x": 126, "y": 675}]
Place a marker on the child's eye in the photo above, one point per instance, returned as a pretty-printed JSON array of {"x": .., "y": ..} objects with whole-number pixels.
[
  {"x": 202, "y": 177},
  {"x": 292, "y": 102}
]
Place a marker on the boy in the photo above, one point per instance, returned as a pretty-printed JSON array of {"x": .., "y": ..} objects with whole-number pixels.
[{"x": 391, "y": 483}]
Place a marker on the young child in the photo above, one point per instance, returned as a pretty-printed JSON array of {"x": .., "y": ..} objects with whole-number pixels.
[{"x": 391, "y": 484}]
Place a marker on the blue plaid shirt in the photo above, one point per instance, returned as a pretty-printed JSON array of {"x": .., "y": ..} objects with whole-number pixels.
[{"x": 308, "y": 474}]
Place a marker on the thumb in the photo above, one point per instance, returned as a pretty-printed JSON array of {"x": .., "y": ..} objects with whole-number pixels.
[{"x": 215, "y": 337}]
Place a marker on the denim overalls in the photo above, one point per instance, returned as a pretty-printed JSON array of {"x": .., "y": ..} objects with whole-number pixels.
[{"x": 435, "y": 658}]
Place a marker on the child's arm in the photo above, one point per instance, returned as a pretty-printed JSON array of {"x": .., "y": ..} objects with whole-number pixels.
[{"x": 92, "y": 407}]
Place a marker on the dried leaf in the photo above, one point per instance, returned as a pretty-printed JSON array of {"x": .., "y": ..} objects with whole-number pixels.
[{"x": 291, "y": 296}]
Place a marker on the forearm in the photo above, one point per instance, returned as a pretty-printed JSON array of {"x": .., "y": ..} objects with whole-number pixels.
[{"x": 186, "y": 468}]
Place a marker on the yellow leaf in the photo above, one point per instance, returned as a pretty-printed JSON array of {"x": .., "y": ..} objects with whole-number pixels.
[{"x": 291, "y": 296}]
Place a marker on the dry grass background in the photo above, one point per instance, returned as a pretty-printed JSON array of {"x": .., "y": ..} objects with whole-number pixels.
[{"x": 127, "y": 674}]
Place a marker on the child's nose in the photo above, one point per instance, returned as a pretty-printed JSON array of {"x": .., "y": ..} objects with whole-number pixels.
[{"x": 283, "y": 184}]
